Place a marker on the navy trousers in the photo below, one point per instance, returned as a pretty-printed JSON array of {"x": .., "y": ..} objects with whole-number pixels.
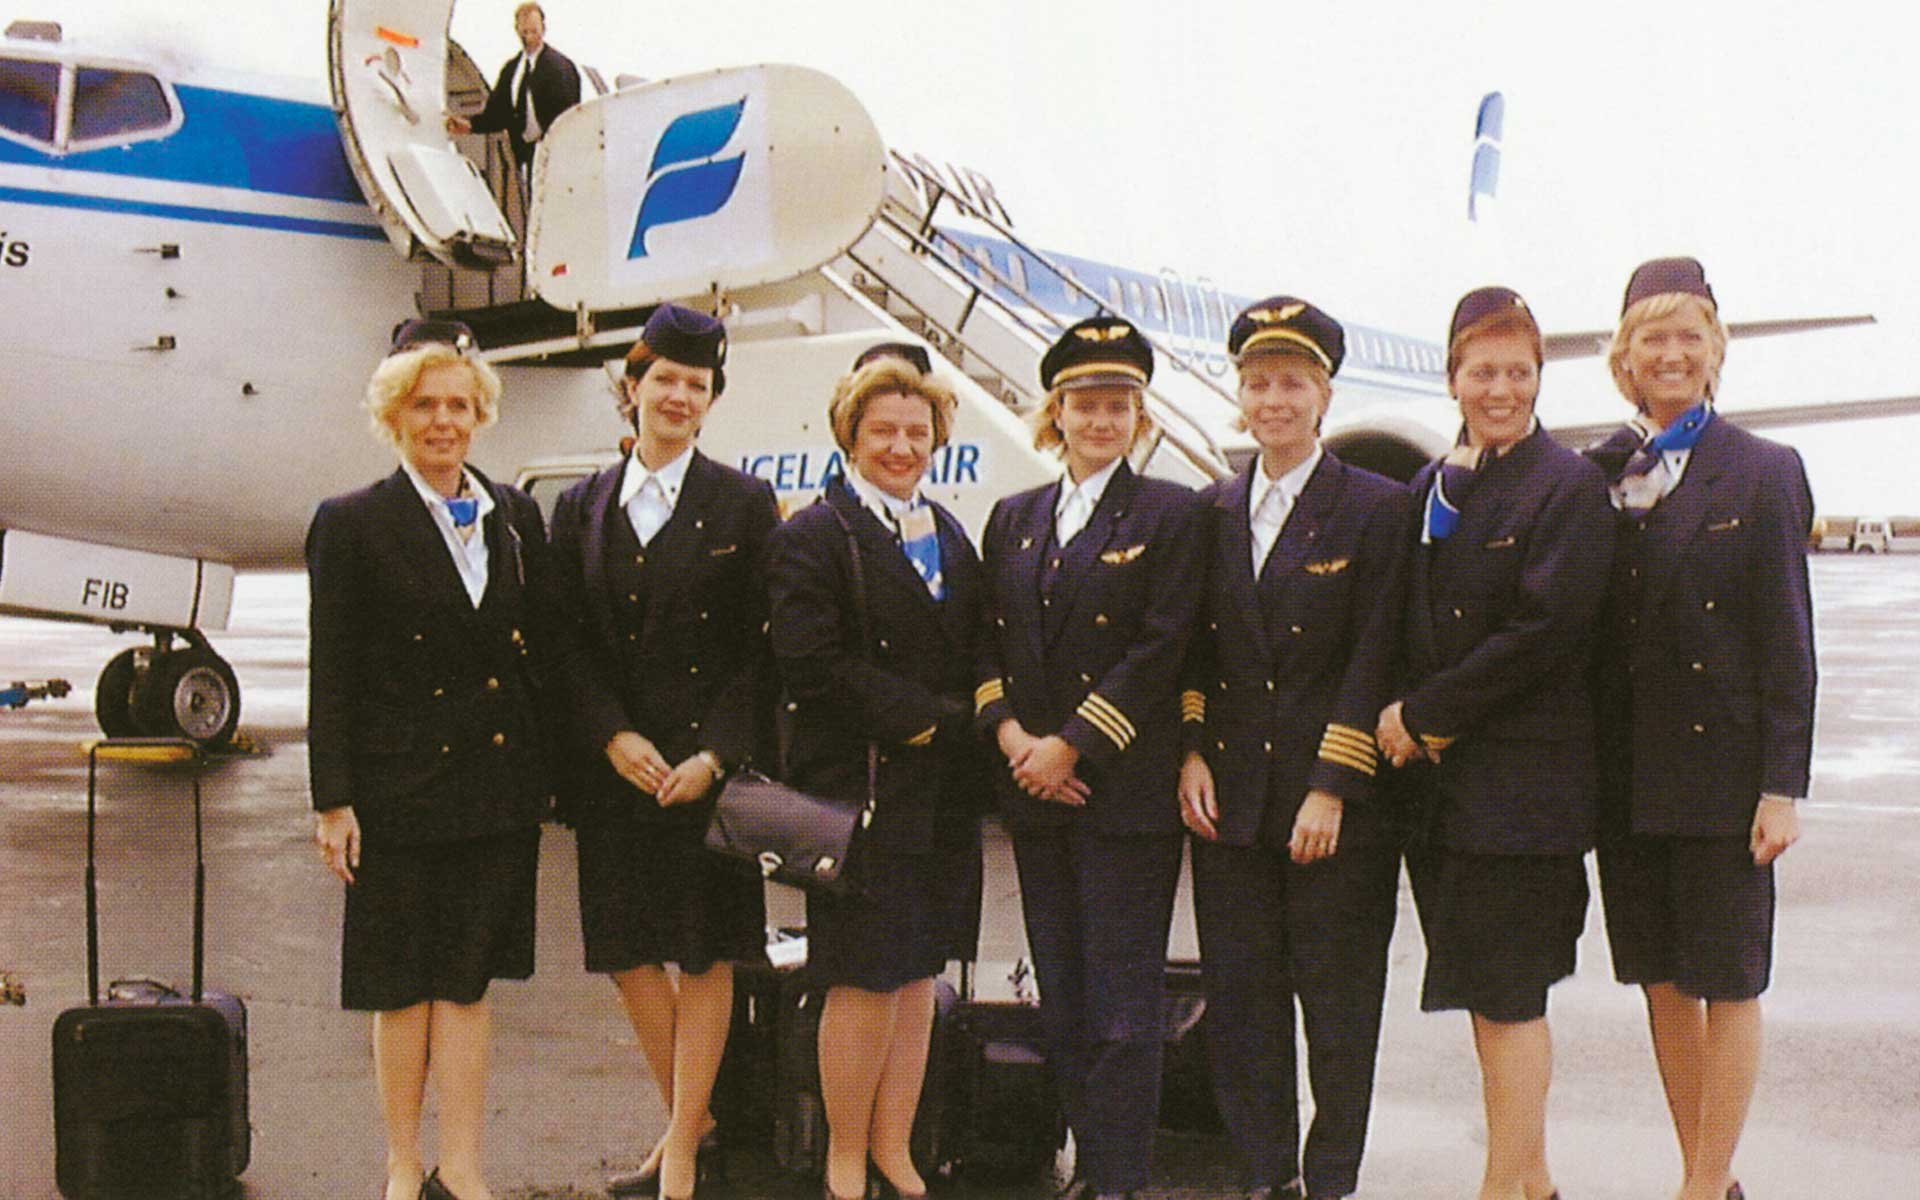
[
  {"x": 1271, "y": 931},
  {"x": 1097, "y": 912}
]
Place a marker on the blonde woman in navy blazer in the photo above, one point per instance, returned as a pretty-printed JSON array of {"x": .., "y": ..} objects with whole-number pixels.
[
  {"x": 905, "y": 692},
  {"x": 660, "y": 558},
  {"x": 1092, "y": 598},
  {"x": 426, "y": 736},
  {"x": 1494, "y": 724},
  {"x": 1706, "y": 690},
  {"x": 1296, "y": 862}
]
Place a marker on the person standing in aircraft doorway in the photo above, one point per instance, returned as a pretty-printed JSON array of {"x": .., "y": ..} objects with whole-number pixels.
[
  {"x": 534, "y": 88},
  {"x": 1296, "y": 861},
  {"x": 659, "y": 558},
  {"x": 1091, "y": 608}
]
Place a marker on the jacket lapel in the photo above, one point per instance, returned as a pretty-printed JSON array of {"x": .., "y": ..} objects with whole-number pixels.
[
  {"x": 673, "y": 554},
  {"x": 421, "y": 548},
  {"x": 1676, "y": 520},
  {"x": 1032, "y": 534},
  {"x": 882, "y": 563},
  {"x": 1422, "y": 654},
  {"x": 600, "y": 507},
  {"x": 1301, "y": 534},
  {"x": 1080, "y": 557},
  {"x": 1235, "y": 557}
]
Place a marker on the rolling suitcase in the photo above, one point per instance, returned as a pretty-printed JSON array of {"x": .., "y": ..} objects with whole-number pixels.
[
  {"x": 150, "y": 1088},
  {"x": 989, "y": 1107}
]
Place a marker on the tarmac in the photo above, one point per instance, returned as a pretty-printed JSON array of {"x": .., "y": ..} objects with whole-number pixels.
[{"x": 1837, "y": 1112}]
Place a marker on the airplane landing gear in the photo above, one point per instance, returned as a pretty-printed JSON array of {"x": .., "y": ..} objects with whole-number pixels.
[{"x": 167, "y": 691}]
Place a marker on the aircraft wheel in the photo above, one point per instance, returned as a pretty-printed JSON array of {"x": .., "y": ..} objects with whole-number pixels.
[
  {"x": 190, "y": 693},
  {"x": 113, "y": 695}
]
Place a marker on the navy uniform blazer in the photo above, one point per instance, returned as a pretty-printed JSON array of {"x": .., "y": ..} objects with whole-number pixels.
[
  {"x": 552, "y": 90},
  {"x": 905, "y": 691},
  {"x": 1100, "y": 665},
  {"x": 692, "y": 672},
  {"x": 1707, "y": 696},
  {"x": 1288, "y": 673},
  {"x": 423, "y": 712},
  {"x": 1499, "y": 637}
]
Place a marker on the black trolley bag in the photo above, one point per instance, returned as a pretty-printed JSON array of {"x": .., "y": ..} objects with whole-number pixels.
[{"x": 150, "y": 1088}]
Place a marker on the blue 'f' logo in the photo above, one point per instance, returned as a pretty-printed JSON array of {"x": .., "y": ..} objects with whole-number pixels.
[{"x": 693, "y": 191}]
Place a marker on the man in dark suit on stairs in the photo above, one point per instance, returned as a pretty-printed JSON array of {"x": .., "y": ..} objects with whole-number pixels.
[{"x": 534, "y": 88}]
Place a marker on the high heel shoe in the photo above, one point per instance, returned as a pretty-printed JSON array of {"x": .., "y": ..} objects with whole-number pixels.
[
  {"x": 707, "y": 1163},
  {"x": 432, "y": 1189},
  {"x": 882, "y": 1188}
]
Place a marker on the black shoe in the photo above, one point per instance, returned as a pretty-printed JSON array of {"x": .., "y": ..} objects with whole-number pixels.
[
  {"x": 879, "y": 1187},
  {"x": 432, "y": 1189},
  {"x": 1734, "y": 1192},
  {"x": 644, "y": 1182},
  {"x": 1075, "y": 1188},
  {"x": 1296, "y": 1190}
]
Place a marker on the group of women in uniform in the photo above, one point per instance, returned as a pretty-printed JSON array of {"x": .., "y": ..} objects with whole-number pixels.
[{"x": 1316, "y": 671}]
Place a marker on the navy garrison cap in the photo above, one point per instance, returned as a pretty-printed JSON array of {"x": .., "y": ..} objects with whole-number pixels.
[
  {"x": 692, "y": 339},
  {"x": 1098, "y": 350},
  {"x": 1287, "y": 325},
  {"x": 421, "y": 331},
  {"x": 1481, "y": 303},
  {"x": 907, "y": 352},
  {"x": 1658, "y": 276}
]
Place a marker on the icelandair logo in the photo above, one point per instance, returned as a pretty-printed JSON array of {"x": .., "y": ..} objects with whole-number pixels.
[{"x": 685, "y": 193}]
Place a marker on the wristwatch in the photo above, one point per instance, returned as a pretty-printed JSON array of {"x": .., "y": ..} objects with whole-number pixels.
[{"x": 713, "y": 764}]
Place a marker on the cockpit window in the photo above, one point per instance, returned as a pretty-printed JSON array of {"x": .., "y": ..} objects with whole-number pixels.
[
  {"x": 113, "y": 103},
  {"x": 29, "y": 91}
]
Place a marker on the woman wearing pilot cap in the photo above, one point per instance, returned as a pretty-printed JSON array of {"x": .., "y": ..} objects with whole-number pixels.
[
  {"x": 1493, "y": 730},
  {"x": 659, "y": 557},
  {"x": 1296, "y": 863},
  {"x": 1706, "y": 690},
  {"x": 429, "y": 642},
  {"x": 1091, "y": 603}
]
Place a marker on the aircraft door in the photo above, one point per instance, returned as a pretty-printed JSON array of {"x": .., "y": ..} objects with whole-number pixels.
[{"x": 387, "y": 65}]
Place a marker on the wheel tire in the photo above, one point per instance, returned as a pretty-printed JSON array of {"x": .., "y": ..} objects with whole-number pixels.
[
  {"x": 113, "y": 695},
  {"x": 190, "y": 693}
]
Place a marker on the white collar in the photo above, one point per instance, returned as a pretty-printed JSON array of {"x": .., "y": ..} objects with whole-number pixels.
[
  {"x": 672, "y": 476},
  {"x": 1291, "y": 482},
  {"x": 1093, "y": 487},
  {"x": 885, "y": 505},
  {"x": 435, "y": 502}
]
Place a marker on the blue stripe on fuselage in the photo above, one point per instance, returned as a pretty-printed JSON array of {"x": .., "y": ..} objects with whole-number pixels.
[
  {"x": 186, "y": 212},
  {"x": 228, "y": 139}
]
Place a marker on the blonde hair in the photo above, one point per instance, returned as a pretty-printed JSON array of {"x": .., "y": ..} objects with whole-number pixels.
[
  {"x": 1653, "y": 308},
  {"x": 1046, "y": 420},
  {"x": 399, "y": 374},
  {"x": 1311, "y": 365},
  {"x": 881, "y": 377}
]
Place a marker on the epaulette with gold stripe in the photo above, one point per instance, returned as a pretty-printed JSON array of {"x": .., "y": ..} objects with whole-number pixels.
[
  {"x": 1350, "y": 747},
  {"x": 987, "y": 693},
  {"x": 924, "y": 737},
  {"x": 1435, "y": 742},
  {"x": 1102, "y": 715},
  {"x": 1193, "y": 706}
]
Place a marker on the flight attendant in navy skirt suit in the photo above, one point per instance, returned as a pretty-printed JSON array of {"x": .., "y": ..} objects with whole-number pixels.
[
  {"x": 660, "y": 556},
  {"x": 1296, "y": 865},
  {"x": 905, "y": 692},
  {"x": 431, "y": 599},
  {"x": 1706, "y": 688},
  {"x": 1093, "y": 592},
  {"x": 1494, "y": 724}
]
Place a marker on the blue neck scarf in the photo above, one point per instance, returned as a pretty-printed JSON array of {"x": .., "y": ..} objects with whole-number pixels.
[
  {"x": 464, "y": 510},
  {"x": 1637, "y": 463},
  {"x": 920, "y": 538},
  {"x": 1452, "y": 483}
]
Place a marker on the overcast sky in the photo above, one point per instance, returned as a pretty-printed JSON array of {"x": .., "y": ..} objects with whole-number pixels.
[{"x": 1323, "y": 150}]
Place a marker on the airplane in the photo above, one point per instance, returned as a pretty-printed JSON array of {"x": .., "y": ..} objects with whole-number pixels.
[{"x": 203, "y": 265}]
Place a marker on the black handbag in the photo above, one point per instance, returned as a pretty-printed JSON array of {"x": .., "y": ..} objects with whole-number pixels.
[{"x": 795, "y": 837}]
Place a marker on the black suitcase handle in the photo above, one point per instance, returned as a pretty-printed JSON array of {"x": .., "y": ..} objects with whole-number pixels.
[{"x": 198, "y": 759}]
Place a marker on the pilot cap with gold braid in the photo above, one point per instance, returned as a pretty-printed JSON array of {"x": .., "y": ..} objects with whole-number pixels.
[
  {"x": 1099, "y": 350},
  {"x": 1286, "y": 325}
]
